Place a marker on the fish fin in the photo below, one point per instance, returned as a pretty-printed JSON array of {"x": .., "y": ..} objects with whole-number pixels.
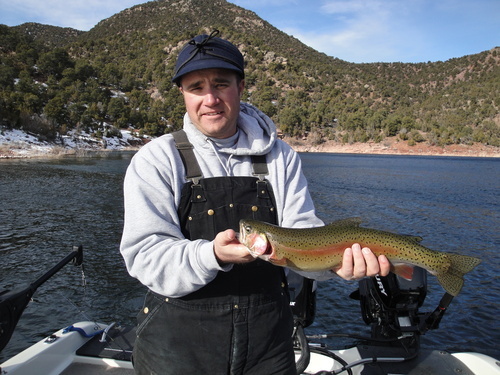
[
  {"x": 281, "y": 262},
  {"x": 450, "y": 282},
  {"x": 452, "y": 279},
  {"x": 349, "y": 222},
  {"x": 404, "y": 270},
  {"x": 337, "y": 267},
  {"x": 462, "y": 263}
]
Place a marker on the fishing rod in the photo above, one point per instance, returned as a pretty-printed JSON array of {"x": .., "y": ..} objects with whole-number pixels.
[{"x": 13, "y": 303}]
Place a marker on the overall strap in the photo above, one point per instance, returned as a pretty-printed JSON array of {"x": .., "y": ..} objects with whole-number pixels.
[
  {"x": 260, "y": 170},
  {"x": 259, "y": 166},
  {"x": 185, "y": 148},
  {"x": 193, "y": 171}
]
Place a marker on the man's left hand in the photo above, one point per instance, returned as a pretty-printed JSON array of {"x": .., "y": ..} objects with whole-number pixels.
[{"x": 361, "y": 262}]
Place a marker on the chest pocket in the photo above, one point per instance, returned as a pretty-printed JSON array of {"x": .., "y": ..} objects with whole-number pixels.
[{"x": 219, "y": 203}]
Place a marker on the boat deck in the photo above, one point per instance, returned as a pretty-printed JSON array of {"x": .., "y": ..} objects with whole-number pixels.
[
  {"x": 112, "y": 357},
  {"x": 96, "y": 369},
  {"x": 110, "y": 354}
]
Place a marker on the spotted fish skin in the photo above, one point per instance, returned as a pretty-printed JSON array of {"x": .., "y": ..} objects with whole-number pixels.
[{"x": 322, "y": 248}]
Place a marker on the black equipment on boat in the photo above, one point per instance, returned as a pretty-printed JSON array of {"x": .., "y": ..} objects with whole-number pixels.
[
  {"x": 302, "y": 298},
  {"x": 303, "y": 303},
  {"x": 390, "y": 304},
  {"x": 13, "y": 303}
]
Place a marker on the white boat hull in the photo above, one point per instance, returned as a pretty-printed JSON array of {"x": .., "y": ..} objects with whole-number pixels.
[
  {"x": 59, "y": 354},
  {"x": 55, "y": 354}
]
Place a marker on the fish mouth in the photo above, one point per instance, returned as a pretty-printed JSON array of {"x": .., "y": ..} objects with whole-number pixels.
[
  {"x": 260, "y": 247},
  {"x": 267, "y": 254},
  {"x": 269, "y": 250},
  {"x": 256, "y": 242}
]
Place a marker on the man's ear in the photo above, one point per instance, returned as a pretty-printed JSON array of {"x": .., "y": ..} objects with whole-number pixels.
[{"x": 241, "y": 87}]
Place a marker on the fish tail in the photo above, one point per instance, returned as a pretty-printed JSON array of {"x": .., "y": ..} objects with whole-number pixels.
[{"x": 452, "y": 279}]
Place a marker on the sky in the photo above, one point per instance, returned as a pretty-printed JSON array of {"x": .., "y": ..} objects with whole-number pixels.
[{"x": 359, "y": 31}]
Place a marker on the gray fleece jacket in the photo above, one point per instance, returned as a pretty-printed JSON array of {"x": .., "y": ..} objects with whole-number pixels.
[{"x": 153, "y": 246}]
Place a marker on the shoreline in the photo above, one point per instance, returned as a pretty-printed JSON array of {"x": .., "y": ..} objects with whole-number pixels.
[
  {"x": 16, "y": 154},
  {"x": 16, "y": 144},
  {"x": 390, "y": 146}
]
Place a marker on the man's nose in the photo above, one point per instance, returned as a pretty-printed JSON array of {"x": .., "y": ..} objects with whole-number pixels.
[{"x": 211, "y": 97}]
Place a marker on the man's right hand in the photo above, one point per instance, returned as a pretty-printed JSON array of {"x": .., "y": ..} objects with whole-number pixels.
[{"x": 228, "y": 249}]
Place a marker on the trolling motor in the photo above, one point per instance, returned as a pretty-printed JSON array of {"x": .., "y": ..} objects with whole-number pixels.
[
  {"x": 390, "y": 304},
  {"x": 13, "y": 303}
]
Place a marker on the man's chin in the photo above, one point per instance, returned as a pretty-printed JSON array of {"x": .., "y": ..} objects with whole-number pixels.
[{"x": 216, "y": 130}]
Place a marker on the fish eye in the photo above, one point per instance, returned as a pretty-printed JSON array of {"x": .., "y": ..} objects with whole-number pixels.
[{"x": 248, "y": 228}]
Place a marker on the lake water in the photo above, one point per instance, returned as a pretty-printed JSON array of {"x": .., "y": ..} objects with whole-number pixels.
[{"x": 47, "y": 206}]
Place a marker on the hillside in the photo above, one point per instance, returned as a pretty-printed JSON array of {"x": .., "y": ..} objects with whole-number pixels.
[
  {"x": 51, "y": 36},
  {"x": 117, "y": 75}
]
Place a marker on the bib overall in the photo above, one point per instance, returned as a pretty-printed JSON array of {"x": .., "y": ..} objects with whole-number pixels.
[{"x": 241, "y": 322}]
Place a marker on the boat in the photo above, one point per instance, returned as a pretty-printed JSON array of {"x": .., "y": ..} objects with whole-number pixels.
[{"x": 389, "y": 304}]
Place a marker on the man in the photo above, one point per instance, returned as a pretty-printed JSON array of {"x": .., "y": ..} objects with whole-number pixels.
[{"x": 211, "y": 307}]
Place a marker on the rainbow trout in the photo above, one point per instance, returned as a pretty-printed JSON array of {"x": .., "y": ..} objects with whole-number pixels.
[{"x": 322, "y": 248}]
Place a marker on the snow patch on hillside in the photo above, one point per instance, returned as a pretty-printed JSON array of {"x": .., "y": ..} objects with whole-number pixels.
[{"x": 16, "y": 143}]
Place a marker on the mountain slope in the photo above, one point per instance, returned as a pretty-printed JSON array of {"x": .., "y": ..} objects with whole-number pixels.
[
  {"x": 126, "y": 62},
  {"x": 52, "y": 36}
]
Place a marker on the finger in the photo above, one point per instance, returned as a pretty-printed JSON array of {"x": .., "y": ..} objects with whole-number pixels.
[
  {"x": 385, "y": 265},
  {"x": 359, "y": 270},
  {"x": 346, "y": 268},
  {"x": 230, "y": 235},
  {"x": 372, "y": 264},
  {"x": 231, "y": 238}
]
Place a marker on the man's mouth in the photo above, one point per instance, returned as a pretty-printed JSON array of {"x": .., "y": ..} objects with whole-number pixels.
[{"x": 213, "y": 113}]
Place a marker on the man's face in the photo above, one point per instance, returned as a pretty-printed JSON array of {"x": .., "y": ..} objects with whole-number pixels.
[{"x": 212, "y": 99}]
